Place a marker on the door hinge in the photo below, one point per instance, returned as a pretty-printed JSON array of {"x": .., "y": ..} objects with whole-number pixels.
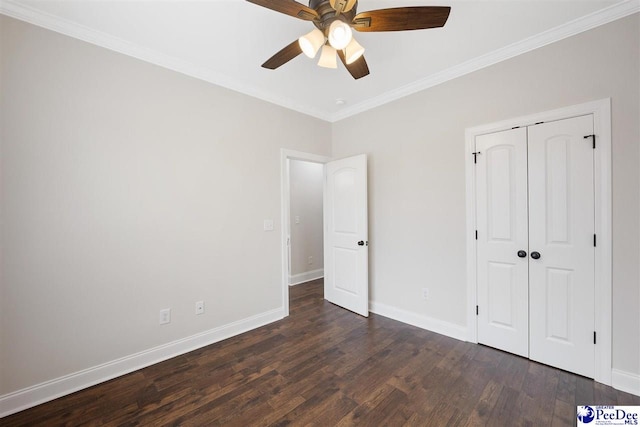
[
  {"x": 515, "y": 127},
  {"x": 593, "y": 137},
  {"x": 476, "y": 234},
  {"x": 594, "y": 337},
  {"x": 594, "y": 240},
  {"x": 477, "y": 310},
  {"x": 475, "y": 156},
  {"x": 538, "y": 123}
]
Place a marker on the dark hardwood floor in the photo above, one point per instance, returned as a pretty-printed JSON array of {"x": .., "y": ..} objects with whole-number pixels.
[{"x": 327, "y": 366}]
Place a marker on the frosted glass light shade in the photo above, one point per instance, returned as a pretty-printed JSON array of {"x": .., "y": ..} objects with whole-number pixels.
[
  {"x": 339, "y": 34},
  {"x": 311, "y": 42},
  {"x": 353, "y": 51},
  {"x": 328, "y": 57}
]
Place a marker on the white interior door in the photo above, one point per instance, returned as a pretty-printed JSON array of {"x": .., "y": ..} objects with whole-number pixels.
[
  {"x": 346, "y": 252},
  {"x": 561, "y": 226},
  {"x": 502, "y": 272}
]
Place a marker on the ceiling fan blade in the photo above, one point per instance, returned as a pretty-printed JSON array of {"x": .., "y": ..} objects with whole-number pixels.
[
  {"x": 288, "y": 7},
  {"x": 401, "y": 18},
  {"x": 357, "y": 68},
  {"x": 283, "y": 56}
]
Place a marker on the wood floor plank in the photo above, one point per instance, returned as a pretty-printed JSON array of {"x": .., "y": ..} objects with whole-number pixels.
[
  {"x": 563, "y": 413},
  {"x": 327, "y": 366},
  {"x": 482, "y": 409},
  {"x": 371, "y": 402},
  {"x": 566, "y": 388}
]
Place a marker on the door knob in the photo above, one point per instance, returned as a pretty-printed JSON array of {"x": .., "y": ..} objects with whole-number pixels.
[
  {"x": 361, "y": 243},
  {"x": 522, "y": 254},
  {"x": 535, "y": 255}
]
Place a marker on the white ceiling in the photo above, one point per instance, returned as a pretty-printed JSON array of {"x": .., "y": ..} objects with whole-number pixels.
[{"x": 226, "y": 41}]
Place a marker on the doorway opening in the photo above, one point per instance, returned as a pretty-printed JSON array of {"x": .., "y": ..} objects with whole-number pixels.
[
  {"x": 302, "y": 241},
  {"x": 305, "y": 234}
]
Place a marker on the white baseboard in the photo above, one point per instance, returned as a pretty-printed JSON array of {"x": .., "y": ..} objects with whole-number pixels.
[
  {"x": 625, "y": 381},
  {"x": 434, "y": 325},
  {"x": 49, "y": 390},
  {"x": 307, "y": 276}
]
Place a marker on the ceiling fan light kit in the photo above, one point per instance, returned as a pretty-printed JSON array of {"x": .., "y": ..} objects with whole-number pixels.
[
  {"x": 334, "y": 21},
  {"x": 311, "y": 42},
  {"x": 339, "y": 34},
  {"x": 353, "y": 51},
  {"x": 328, "y": 57}
]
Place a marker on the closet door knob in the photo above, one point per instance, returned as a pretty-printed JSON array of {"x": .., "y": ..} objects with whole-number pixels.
[
  {"x": 522, "y": 254},
  {"x": 535, "y": 255}
]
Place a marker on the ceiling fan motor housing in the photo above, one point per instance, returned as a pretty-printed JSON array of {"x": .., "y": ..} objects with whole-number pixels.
[{"x": 328, "y": 14}]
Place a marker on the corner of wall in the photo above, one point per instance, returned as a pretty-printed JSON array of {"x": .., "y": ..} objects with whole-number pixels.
[{"x": 438, "y": 326}]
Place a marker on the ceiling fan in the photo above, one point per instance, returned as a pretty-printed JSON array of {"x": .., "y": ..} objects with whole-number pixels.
[{"x": 334, "y": 20}]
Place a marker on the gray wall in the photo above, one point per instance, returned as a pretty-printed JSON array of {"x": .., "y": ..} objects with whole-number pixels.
[
  {"x": 127, "y": 188},
  {"x": 417, "y": 175}
]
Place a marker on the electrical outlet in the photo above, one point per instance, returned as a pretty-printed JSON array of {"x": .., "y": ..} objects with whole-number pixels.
[
  {"x": 199, "y": 307},
  {"x": 310, "y": 260},
  {"x": 165, "y": 316},
  {"x": 425, "y": 293}
]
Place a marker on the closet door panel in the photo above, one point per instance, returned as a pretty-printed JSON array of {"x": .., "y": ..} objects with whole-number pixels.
[
  {"x": 501, "y": 188},
  {"x": 561, "y": 224}
]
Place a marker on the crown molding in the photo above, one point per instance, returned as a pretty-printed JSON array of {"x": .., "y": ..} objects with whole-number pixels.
[
  {"x": 54, "y": 23},
  {"x": 577, "y": 26},
  {"x": 36, "y": 17}
]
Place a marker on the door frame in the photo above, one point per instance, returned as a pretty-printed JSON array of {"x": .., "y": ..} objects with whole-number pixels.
[
  {"x": 601, "y": 111},
  {"x": 285, "y": 220}
]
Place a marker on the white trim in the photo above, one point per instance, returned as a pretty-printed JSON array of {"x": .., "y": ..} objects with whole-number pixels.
[
  {"x": 470, "y": 184},
  {"x": 625, "y": 381},
  {"x": 49, "y": 390},
  {"x": 286, "y": 155},
  {"x": 307, "y": 276},
  {"x": 430, "y": 324},
  {"x": 601, "y": 111},
  {"x": 577, "y": 26},
  {"x": 37, "y": 17}
]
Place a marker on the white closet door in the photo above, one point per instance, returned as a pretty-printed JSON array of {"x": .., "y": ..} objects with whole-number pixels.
[
  {"x": 561, "y": 230},
  {"x": 501, "y": 188}
]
